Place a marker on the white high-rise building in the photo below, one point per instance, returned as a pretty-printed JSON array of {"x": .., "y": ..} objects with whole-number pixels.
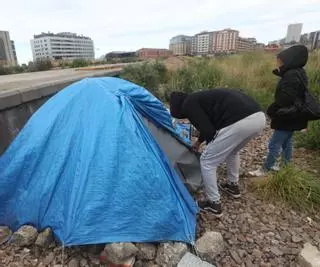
[
  {"x": 294, "y": 33},
  {"x": 62, "y": 46}
]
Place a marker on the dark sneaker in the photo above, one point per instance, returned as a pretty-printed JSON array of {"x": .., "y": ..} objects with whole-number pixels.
[
  {"x": 231, "y": 189},
  {"x": 212, "y": 207}
]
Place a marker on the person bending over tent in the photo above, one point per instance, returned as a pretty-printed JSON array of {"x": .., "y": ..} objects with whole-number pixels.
[{"x": 227, "y": 120}]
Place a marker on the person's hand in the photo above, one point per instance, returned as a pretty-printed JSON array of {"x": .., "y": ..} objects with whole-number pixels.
[{"x": 196, "y": 146}]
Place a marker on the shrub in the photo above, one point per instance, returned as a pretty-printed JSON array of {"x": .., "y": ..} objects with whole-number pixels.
[
  {"x": 295, "y": 187},
  {"x": 149, "y": 75},
  {"x": 78, "y": 63}
]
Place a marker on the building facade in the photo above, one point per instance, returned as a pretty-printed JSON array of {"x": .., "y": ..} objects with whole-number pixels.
[
  {"x": 201, "y": 44},
  {"x": 149, "y": 53},
  {"x": 311, "y": 40},
  {"x": 8, "y": 55},
  {"x": 294, "y": 33},
  {"x": 225, "y": 41},
  {"x": 180, "y": 45},
  {"x": 62, "y": 46},
  {"x": 246, "y": 44}
]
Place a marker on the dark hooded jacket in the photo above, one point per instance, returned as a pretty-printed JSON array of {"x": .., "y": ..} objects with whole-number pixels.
[
  {"x": 290, "y": 89},
  {"x": 210, "y": 111}
]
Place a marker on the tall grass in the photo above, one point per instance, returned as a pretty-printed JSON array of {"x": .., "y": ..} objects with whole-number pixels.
[
  {"x": 295, "y": 187},
  {"x": 251, "y": 72}
]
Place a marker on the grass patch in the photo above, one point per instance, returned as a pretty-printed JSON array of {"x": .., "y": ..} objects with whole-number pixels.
[
  {"x": 310, "y": 139},
  {"x": 297, "y": 188}
]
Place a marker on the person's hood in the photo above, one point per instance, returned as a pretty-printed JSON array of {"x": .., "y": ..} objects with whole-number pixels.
[
  {"x": 293, "y": 58},
  {"x": 176, "y": 103}
]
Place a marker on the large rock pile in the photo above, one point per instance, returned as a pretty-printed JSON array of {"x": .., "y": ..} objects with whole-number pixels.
[{"x": 27, "y": 247}]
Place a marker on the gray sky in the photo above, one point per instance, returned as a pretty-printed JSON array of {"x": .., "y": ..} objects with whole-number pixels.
[{"x": 132, "y": 24}]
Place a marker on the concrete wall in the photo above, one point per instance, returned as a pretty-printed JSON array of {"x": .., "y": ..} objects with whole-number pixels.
[{"x": 16, "y": 107}]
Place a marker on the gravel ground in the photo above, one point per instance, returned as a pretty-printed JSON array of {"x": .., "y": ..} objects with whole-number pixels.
[{"x": 256, "y": 233}]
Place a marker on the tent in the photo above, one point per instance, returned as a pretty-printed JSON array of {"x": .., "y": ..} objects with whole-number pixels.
[{"x": 101, "y": 162}]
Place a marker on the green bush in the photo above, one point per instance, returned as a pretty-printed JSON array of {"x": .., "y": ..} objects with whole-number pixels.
[
  {"x": 79, "y": 63},
  {"x": 149, "y": 75},
  {"x": 293, "y": 186}
]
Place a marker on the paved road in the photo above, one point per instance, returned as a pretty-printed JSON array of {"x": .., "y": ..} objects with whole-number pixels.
[{"x": 23, "y": 81}]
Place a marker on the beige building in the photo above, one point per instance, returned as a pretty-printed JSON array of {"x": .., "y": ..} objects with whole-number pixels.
[
  {"x": 246, "y": 44},
  {"x": 180, "y": 45},
  {"x": 225, "y": 41},
  {"x": 7, "y": 50}
]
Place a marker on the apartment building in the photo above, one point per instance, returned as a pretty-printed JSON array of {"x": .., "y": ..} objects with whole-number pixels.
[
  {"x": 225, "y": 41},
  {"x": 311, "y": 40},
  {"x": 201, "y": 43},
  {"x": 148, "y": 53},
  {"x": 294, "y": 33},
  {"x": 246, "y": 44},
  {"x": 62, "y": 46},
  {"x": 8, "y": 56},
  {"x": 180, "y": 45}
]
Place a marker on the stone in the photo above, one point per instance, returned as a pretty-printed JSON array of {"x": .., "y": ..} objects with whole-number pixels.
[
  {"x": 93, "y": 249},
  {"x": 296, "y": 239},
  {"x": 210, "y": 245},
  {"x": 25, "y": 236},
  {"x": 146, "y": 251},
  {"x": 276, "y": 251},
  {"x": 117, "y": 252},
  {"x": 190, "y": 260},
  {"x": 235, "y": 257},
  {"x": 84, "y": 263},
  {"x": 5, "y": 234},
  {"x": 309, "y": 256},
  {"x": 74, "y": 263},
  {"x": 45, "y": 238},
  {"x": 257, "y": 253},
  {"x": 169, "y": 254},
  {"x": 48, "y": 259}
]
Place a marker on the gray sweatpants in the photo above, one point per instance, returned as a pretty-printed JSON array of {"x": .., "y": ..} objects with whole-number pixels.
[{"x": 226, "y": 147}]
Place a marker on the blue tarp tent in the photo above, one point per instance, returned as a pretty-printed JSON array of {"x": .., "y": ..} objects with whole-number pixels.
[{"x": 87, "y": 165}]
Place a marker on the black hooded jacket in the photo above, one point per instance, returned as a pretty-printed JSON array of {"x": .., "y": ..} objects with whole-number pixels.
[
  {"x": 210, "y": 111},
  {"x": 290, "y": 88}
]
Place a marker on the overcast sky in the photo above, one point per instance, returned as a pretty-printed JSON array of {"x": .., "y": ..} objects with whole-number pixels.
[{"x": 132, "y": 24}]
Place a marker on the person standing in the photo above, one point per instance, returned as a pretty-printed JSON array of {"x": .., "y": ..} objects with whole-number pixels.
[
  {"x": 227, "y": 120},
  {"x": 285, "y": 117}
]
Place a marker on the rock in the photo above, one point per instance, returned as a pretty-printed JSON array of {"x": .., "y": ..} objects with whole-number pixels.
[
  {"x": 257, "y": 253},
  {"x": 45, "y": 238},
  {"x": 210, "y": 245},
  {"x": 84, "y": 263},
  {"x": 48, "y": 259},
  {"x": 190, "y": 260},
  {"x": 169, "y": 254},
  {"x": 25, "y": 236},
  {"x": 74, "y": 263},
  {"x": 309, "y": 256},
  {"x": 296, "y": 239},
  {"x": 117, "y": 252},
  {"x": 276, "y": 251},
  {"x": 235, "y": 257},
  {"x": 5, "y": 234},
  {"x": 141, "y": 263},
  {"x": 93, "y": 249},
  {"x": 146, "y": 251}
]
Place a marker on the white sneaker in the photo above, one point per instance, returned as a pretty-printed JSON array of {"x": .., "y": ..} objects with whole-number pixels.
[
  {"x": 258, "y": 173},
  {"x": 275, "y": 168}
]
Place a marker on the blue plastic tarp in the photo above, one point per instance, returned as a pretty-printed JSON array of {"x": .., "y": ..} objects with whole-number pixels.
[{"x": 86, "y": 165}]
